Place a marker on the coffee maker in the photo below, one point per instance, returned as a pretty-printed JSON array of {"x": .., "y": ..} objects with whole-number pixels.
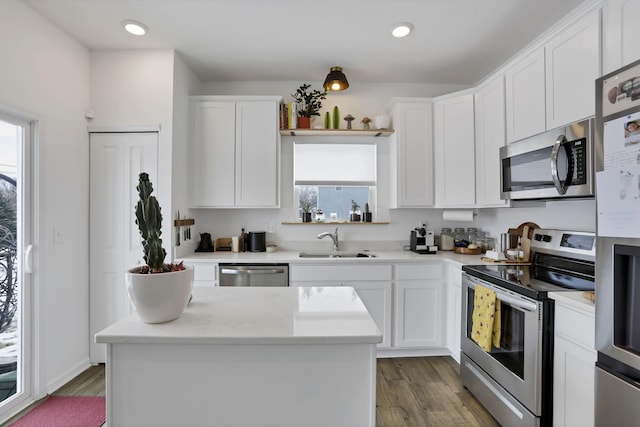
[{"x": 422, "y": 241}]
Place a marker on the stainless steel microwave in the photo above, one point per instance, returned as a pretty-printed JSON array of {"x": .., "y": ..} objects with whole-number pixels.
[{"x": 554, "y": 164}]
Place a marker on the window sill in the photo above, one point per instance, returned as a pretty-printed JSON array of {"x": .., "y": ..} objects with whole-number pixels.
[{"x": 335, "y": 222}]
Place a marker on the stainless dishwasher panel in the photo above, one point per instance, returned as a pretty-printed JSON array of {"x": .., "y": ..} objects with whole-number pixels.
[{"x": 237, "y": 274}]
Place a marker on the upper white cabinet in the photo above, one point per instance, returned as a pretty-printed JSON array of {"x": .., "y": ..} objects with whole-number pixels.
[
  {"x": 553, "y": 85},
  {"x": 454, "y": 140},
  {"x": 621, "y": 34},
  {"x": 525, "y": 96},
  {"x": 572, "y": 60},
  {"x": 235, "y": 151},
  {"x": 490, "y": 136},
  {"x": 411, "y": 153}
]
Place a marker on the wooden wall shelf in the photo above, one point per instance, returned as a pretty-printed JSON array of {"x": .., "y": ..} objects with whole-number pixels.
[{"x": 335, "y": 132}]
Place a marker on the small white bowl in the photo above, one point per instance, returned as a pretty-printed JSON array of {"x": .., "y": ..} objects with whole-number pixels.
[{"x": 272, "y": 248}]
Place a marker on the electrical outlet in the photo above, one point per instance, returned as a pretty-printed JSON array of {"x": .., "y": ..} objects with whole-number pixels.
[{"x": 58, "y": 237}]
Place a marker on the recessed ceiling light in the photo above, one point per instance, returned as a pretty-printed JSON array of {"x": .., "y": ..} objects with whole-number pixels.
[
  {"x": 402, "y": 29},
  {"x": 134, "y": 27}
]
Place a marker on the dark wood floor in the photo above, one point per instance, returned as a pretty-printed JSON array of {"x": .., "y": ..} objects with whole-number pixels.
[{"x": 411, "y": 392}]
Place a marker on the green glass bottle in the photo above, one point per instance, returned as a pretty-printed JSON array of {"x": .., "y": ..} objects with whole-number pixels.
[
  {"x": 336, "y": 117},
  {"x": 327, "y": 120}
]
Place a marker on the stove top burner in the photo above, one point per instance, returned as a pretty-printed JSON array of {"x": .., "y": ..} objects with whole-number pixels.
[{"x": 531, "y": 280}]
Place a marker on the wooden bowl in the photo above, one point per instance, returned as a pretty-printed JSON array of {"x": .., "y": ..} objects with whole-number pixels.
[{"x": 467, "y": 251}]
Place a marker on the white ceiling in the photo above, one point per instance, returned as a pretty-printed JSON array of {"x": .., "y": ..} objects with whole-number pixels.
[{"x": 454, "y": 41}]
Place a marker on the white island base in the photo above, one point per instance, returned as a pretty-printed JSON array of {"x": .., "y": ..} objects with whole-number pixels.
[{"x": 247, "y": 357}]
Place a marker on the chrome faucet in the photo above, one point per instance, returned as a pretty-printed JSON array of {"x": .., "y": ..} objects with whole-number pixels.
[{"x": 334, "y": 237}]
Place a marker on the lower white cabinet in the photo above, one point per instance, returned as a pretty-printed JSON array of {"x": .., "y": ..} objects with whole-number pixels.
[
  {"x": 574, "y": 363},
  {"x": 376, "y": 296},
  {"x": 371, "y": 282},
  {"x": 418, "y": 304},
  {"x": 453, "y": 317},
  {"x": 205, "y": 274}
]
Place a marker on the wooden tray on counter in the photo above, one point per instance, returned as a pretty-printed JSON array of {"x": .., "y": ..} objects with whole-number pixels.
[{"x": 467, "y": 251}]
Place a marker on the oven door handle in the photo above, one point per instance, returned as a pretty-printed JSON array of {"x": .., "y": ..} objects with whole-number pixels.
[{"x": 514, "y": 302}]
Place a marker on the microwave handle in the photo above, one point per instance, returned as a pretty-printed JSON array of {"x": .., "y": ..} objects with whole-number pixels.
[{"x": 561, "y": 187}]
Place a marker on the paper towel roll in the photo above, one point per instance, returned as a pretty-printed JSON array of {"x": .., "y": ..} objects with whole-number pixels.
[{"x": 458, "y": 215}]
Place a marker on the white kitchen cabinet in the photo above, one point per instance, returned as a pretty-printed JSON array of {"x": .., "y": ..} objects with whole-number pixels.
[
  {"x": 454, "y": 146},
  {"x": 574, "y": 362},
  {"x": 205, "y": 274},
  {"x": 525, "y": 96},
  {"x": 235, "y": 152},
  {"x": 419, "y": 300},
  {"x": 454, "y": 310},
  {"x": 572, "y": 60},
  {"x": 620, "y": 34},
  {"x": 372, "y": 283},
  {"x": 490, "y": 136},
  {"x": 411, "y": 153},
  {"x": 376, "y": 296}
]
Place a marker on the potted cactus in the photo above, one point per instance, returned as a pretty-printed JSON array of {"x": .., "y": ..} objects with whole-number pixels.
[
  {"x": 367, "y": 216},
  {"x": 159, "y": 292}
]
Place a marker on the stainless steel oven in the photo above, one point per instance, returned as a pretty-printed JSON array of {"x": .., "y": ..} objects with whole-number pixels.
[
  {"x": 516, "y": 365},
  {"x": 513, "y": 379}
]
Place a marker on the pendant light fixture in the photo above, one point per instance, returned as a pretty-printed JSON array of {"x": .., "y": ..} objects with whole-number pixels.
[{"x": 336, "y": 80}]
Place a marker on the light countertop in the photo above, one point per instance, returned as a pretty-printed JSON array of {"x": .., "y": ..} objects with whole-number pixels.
[
  {"x": 294, "y": 257},
  {"x": 256, "y": 315},
  {"x": 574, "y": 299}
]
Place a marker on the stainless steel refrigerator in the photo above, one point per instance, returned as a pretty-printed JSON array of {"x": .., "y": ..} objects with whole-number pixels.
[{"x": 617, "y": 157}]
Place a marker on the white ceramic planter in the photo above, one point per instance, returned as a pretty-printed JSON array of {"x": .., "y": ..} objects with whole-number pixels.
[{"x": 159, "y": 297}]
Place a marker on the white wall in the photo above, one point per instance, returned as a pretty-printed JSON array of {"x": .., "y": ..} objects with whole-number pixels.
[
  {"x": 185, "y": 84},
  {"x": 45, "y": 74},
  {"x": 135, "y": 88}
]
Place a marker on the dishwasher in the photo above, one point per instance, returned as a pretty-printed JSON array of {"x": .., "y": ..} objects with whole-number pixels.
[{"x": 242, "y": 274}]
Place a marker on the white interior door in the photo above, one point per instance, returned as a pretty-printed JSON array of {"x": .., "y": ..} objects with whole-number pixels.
[{"x": 116, "y": 160}]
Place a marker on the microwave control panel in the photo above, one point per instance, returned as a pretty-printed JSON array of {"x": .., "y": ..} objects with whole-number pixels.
[{"x": 579, "y": 154}]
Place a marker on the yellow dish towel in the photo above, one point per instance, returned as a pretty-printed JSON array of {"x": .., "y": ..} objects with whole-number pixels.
[{"x": 486, "y": 318}]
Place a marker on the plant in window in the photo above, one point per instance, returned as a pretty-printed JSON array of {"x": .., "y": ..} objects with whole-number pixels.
[
  {"x": 354, "y": 215},
  {"x": 366, "y": 215}
]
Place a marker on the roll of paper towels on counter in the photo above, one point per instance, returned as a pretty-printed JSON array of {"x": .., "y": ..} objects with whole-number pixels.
[{"x": 465, "y": 215}]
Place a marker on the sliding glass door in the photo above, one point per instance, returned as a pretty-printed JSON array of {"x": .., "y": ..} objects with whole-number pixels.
[{"x": 15, "y": 249}]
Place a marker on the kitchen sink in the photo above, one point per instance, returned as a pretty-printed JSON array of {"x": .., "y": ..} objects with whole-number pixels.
[{"x": 336, "y": 255}]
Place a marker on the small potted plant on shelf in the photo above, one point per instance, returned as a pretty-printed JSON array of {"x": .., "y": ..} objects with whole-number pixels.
[
  {"x": 354, "y": 214},
  {"x": 310, "y": 103},
  {"x": 306, "y": 205},
  {"x": 159, "y": 292},
  {"x": 367, "y": 216}
]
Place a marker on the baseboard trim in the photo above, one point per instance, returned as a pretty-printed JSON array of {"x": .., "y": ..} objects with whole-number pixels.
[{"x": 68, "y": 375}]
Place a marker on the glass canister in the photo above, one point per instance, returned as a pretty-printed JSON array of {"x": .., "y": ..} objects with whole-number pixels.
[
  {"x": 480, "y": 240},
  {"x": 472, "y": 235},
  {"x": 460, "y": 237},
  {"x": 446, "y": 239}
]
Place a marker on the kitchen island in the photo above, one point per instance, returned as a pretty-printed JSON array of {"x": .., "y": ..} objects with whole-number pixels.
[{"x": 243, "y": 356}]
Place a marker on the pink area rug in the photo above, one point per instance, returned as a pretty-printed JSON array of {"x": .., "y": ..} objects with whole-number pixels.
[{"x": 66, "y": 411}]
